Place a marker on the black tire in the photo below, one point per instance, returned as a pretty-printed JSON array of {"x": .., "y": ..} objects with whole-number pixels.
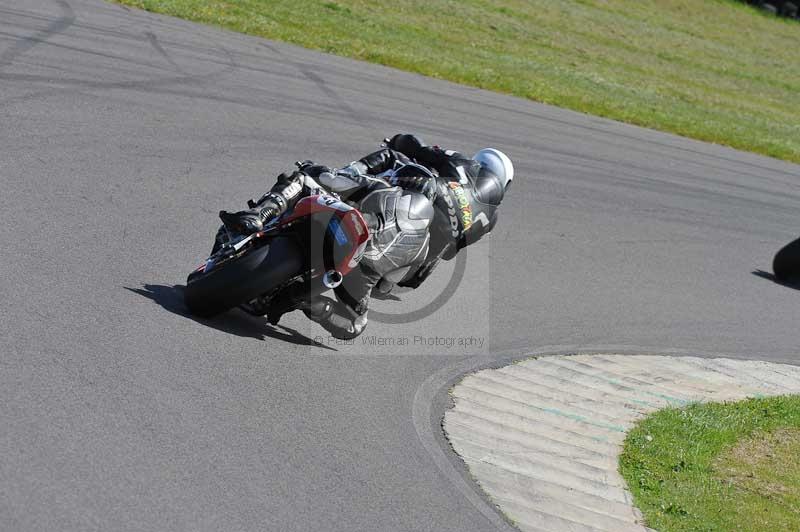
[
  {"x": 786, "y": 264},
  {"x": 243, "y": 278}
]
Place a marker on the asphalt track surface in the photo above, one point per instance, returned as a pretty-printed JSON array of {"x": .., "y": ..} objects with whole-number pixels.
[{"x": 122, "y": 135}]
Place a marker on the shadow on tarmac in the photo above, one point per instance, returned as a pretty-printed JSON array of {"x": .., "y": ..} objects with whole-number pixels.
[
  {"x": 233, "y": 322},
  {"x": 771, "y": 277}
]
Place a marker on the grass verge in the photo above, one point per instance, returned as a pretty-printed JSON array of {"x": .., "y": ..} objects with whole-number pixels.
[
  {"x": 715, "y": 70},
  {"x": 731, "y": 466}
]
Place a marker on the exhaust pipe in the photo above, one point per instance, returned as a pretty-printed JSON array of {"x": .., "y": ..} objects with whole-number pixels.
[{"x": 332, "y": 279}]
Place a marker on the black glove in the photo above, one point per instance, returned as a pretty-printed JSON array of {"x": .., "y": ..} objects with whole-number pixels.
[
  {"x": 285, "y": 177},
  {"x": 406, "y": 144},
  {"x": 312, "y": 169}
]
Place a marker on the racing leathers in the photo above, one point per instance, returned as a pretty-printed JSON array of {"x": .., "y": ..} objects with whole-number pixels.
[{"x": 421, "y": 203}]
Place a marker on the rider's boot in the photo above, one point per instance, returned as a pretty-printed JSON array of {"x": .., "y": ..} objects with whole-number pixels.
[
  {"x": 270, "y": 206},
  {"x": 254, "y": 219}
]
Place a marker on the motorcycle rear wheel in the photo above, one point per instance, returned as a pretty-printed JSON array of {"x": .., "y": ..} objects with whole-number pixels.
[{"x": 243, "y": 278}]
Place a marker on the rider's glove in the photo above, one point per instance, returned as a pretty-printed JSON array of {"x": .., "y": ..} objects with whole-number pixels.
[
  {"x": 311, "y": 169},
  {"x": 406, "y": 144}
]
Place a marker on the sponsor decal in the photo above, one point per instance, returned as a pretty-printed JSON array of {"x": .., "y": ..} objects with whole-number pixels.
[
  {"x": 330, "y": 201},
  {"x": 464, "y": 207},
  {"x": 451, "y": 212},
  {"x": 335, "y": 227},
  {"x": 292, "y": 190},
  {"x": 326, "y": 200}
]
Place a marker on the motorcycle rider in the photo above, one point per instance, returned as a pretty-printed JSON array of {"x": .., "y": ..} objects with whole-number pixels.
[{"x": 422, "y": 205}]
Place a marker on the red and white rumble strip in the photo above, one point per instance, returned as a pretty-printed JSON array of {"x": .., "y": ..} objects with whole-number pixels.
[{"x": 542, "y": 437}]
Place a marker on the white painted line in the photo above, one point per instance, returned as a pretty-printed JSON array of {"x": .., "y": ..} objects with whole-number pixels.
[{"x": 543, "y": 437}]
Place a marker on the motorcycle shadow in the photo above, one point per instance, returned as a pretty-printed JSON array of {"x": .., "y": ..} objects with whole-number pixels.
[
  {"x": 235, "y": 322},
  {"x": 794, "y": 284}
]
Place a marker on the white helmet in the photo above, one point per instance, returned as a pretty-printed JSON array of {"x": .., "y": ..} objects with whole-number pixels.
[{"x": 497, "y": 163}]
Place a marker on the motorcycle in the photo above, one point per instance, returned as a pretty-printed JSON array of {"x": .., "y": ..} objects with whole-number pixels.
[{"x": 299, "y": 255}]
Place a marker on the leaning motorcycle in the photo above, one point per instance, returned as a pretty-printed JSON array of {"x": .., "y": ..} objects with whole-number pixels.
[{"x": 303, "y": 253}]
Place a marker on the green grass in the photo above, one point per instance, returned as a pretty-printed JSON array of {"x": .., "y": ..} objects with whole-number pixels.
[
  {"x": 732, "y": 466},
  {"x": 715, "y": 70}
]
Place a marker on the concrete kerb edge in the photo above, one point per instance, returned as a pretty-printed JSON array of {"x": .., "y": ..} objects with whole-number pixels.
[{"x": 436, "y": 391}]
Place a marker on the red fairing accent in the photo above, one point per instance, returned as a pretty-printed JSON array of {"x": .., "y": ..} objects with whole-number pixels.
[
  {"x": 357, "y": 231},
  {"x": 351, "y": 222},
  {"x": 313, "y": 205}
]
